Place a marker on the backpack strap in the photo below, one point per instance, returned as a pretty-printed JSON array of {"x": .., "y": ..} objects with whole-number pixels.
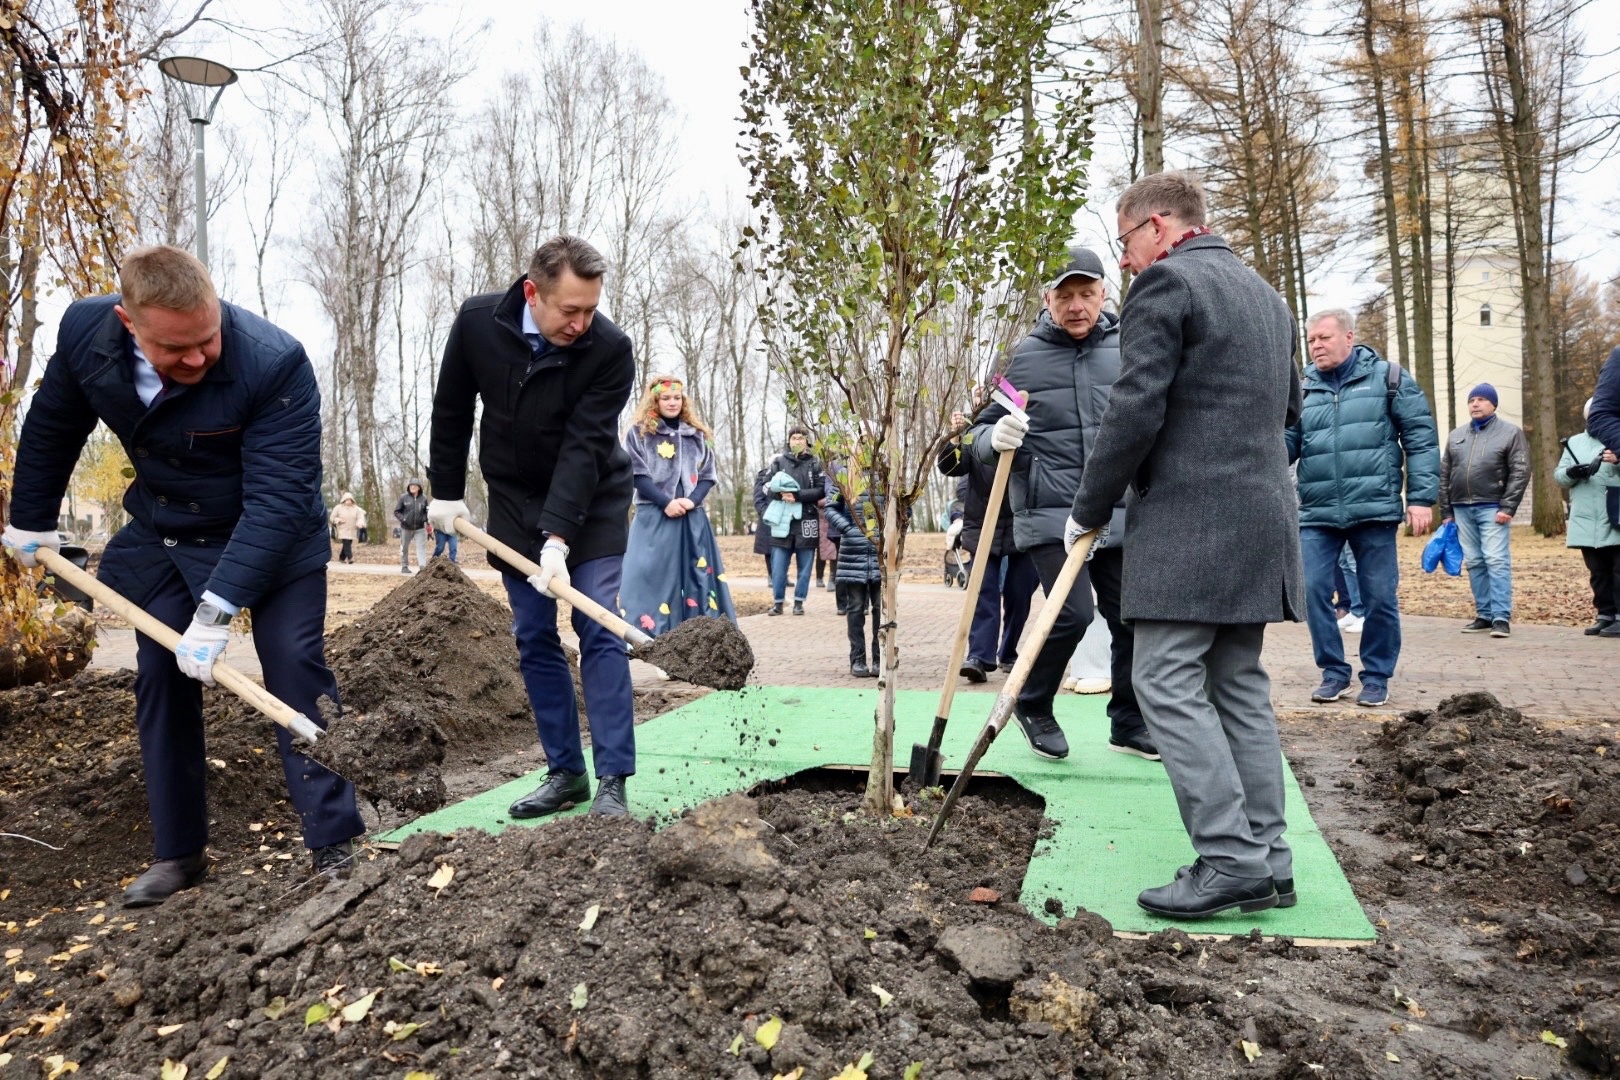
[{"x": 1392, "y": 386}]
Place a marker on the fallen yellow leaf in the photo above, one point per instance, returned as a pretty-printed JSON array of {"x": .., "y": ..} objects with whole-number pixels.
[
  {"x": 58, "y": 1065},
  {"x": 173, "y": 1070},
  {"x": 218, "y": 1070},
  {"x": 169, "y": 1029},
  {"x": 1251, "y": 1050},
  {"x": 591, "y": 914},
  {"x": 355, "y": 1011},
  {"x": 442, "y": 877},
  {"x": 24, "y": 977},
  {"x": 769, "y": 1032}
]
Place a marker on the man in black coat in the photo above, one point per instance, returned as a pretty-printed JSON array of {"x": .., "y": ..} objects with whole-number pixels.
[
  {"x": 553, "y": 376},
  {"x": 220, "y": 415}
]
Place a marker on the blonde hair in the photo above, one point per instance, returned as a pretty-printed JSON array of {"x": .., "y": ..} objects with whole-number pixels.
[
  {"x": 647, "y": 414},
  {"x": 165, "y": 277}
]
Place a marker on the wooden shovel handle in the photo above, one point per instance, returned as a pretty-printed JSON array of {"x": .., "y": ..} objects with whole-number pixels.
[
  {"x": 964, "y": 623},
  {"x": 234, "y": 681},
  {"x": 528, "y": 568}
]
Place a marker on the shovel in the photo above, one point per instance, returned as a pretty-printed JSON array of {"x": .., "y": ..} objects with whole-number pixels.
[
  {"x": 297, "y": 723},
  {"x": 1020, "y": 673},
  {"x": 927, "y": 760},
  {"x": 731, "y": 658}
]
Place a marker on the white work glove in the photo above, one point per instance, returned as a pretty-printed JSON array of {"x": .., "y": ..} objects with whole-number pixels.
[
  {"x": 1008, "y": 434},
  {"x": 442, "y": 514},
  {"x": 553, "y": 567},
  {"x": 1073, "y": 531},
  {"x": 23, "y": 544},
  {"x": 199, "y": 647}
]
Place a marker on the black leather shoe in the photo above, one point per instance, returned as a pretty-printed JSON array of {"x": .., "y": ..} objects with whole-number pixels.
[
  {"x": 1206, "y": 891},
  {"x": 1286, "y": 896},
  {"x": 1139, "y": 745},
  {"x": 561, "y": 791},
  {"x": 1598, "y": 627},
  {"x": 610, "y": 800},
  {"x": 333, "y": 861},
  {"x": 1007, "y": 665},
  {"x": 776, "y": 608},
  {"x": 859, "y": 670},
  {"x": 1043, "y": 734},
  {"x": 972, "y": 671},
  {"x": 798, "y": 607},
  {"x": 166, "y": 877}
]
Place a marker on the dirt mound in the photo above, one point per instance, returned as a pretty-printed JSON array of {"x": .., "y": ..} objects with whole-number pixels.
[
  {"x": 1502, "y": 808},
  {"x": 429, "y": 676},
  {"x": 71, "y": 778},
  {"x": 751, "y": 940}
]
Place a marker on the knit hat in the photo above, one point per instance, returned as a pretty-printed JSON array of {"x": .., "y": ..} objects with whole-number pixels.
[{"x": 1484, "y": 390}]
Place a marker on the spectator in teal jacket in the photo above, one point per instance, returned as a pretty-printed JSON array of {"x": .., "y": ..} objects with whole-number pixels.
[
  {"x": 1590, "y": 472},
  {"x": 1365, "y": 425}
]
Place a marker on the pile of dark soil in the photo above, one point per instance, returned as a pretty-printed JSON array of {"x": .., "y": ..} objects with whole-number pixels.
[
  {"x": 70, "y": 777},
  {"x": 751, "y": 939},
  {"x": 708, "y": 651},
  {"x": 429, "y": 674}
]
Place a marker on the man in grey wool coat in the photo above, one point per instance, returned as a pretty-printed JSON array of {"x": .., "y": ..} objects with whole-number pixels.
[{"x": 1208, "y": 384}]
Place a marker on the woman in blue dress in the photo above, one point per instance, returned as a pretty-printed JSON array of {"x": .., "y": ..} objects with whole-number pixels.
[{"x": 672, "y": 568}]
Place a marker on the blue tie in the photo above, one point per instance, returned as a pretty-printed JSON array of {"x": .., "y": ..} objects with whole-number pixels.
[{"x": 537, "y": 345}]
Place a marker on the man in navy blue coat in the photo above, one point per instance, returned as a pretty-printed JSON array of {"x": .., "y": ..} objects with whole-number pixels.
[{"x": 219, "y": 412}]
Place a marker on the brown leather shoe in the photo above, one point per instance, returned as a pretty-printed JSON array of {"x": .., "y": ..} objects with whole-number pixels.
[{"x": 166, "y": 877}]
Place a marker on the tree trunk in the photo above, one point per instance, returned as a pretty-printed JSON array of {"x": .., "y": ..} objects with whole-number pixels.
[
  {"x": 1150, "y": 83},
  {"x": 1386, "y": 178}
]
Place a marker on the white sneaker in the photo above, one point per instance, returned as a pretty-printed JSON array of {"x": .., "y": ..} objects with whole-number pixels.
[
  {"x": 1093, "y": 686},
  {"x": 1351, "y": 624}
]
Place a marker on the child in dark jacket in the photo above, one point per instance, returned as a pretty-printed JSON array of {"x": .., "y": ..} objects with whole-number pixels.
[{"x": 859, "y": 578}]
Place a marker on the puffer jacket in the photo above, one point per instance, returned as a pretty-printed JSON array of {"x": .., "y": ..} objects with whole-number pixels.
[
  {"x": 1352, "y": 443},
  {"x": 347, "y": 518},
  {"x": 806, "y": 470},
  {"x": 1490, "y": 465},
  {"x": 1068, "y": 383},
  {"x": 1589, "y": 496},
  {"x": 857, "y": 549}
]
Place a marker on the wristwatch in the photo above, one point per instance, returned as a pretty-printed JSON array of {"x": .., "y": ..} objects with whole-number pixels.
[
  {"x": 213, "y": 615},
  {"x": 555, "y": 542}
]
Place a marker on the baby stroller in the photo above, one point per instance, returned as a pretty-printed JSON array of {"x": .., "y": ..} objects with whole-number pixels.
[{"x": 958, "y": 562}]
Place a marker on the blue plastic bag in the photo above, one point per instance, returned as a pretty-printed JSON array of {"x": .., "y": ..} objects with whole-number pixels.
[{"x": 1444, "y": 549}]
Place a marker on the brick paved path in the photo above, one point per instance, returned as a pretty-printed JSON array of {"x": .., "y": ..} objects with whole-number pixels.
[{"x": 1550, "y": 671}]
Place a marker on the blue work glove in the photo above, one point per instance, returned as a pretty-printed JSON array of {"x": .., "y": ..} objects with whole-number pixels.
[
  {"x": 199, "y": 647},
  {"x": 1073, "y": 531},
  {"x": 22, "y": 543}
]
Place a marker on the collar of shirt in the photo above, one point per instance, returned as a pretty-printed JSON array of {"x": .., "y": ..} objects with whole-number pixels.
[
  {"x": 538, "y": 345},
  {"x": 148, "y": 383},
  {"x": 1202, "y": 230}
]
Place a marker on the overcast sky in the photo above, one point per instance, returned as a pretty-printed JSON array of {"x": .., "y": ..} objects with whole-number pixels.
[{"x": 697, "y": 47}]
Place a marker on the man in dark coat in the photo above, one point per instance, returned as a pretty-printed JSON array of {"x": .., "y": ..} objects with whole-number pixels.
[
  {"x": 220, "y": 415},
  {"x": 795, "y": 534},
  {"x": 1067, "y": 367},
  {"x": 410, "y": 510},
  {"x": 1208, "y": 386},
  {"x": 553, "y": 376},
  {"x": 1010, "y": 579}
]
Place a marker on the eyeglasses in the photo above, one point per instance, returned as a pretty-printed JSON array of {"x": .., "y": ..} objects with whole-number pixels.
[{"x": 1120, "y": 239}]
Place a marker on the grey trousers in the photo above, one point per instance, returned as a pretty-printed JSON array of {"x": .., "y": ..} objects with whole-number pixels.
[
  {"x": 1207, "y": 702},
  {"x": 407, "y": 537}
]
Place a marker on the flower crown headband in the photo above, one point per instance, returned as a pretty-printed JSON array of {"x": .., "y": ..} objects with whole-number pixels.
[{"x": 668, "y": 386}]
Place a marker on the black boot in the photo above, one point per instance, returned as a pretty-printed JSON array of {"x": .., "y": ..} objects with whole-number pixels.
[
  {"x": 776, "y": 608},
  {"x": 166, "y": 877},
  {"x": 798, "y": 607},
  {"x": 333, "y": 861},
  {"x": 561, "y": 790},
  {"x": 610, "y": 800},
  {"x": 1602, "y": 624}
]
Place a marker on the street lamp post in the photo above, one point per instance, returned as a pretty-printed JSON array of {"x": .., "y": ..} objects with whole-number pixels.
[{"x": 197, "y": 77}]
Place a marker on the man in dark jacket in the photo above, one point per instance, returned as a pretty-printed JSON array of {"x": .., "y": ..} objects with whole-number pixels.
[
  {"x": 1010, "y": 578},
  {"x": 1209, "y": 385},
  {"x": 1483, "y": 477},
  {"x": 1354, "y": 440},
  {"x": 1603, "y": 419},
  {"x": 411, "y": 513},
  {"x": 553, "y": 376},
  {"x": 788, "y": 514},
  {"x": 1067, "y": 366},
  {"x": 219, "y": 412},
  {"x": 859, "y": 578}
]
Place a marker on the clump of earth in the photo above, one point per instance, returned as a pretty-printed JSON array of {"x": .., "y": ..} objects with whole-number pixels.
[{"x": 707, "y": 651}]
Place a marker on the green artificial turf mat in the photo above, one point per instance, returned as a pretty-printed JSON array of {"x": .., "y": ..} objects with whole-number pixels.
[{"x": 1116, "y": 830}]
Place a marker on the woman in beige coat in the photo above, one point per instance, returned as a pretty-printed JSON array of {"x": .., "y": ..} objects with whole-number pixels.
[{"x": 347, "y": 519}]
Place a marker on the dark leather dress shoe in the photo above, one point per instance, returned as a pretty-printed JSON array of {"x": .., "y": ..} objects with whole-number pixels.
[
  {"x": 332, "y": 861},
  {"x": 1206, "y": 891},
  {"x": 561, "y": 790},
  {"x": 610, "y": 800},
  {"x": 972, "y": 670},
  {"x": 1286, "y": 896},
  {"x": 166, "y": 877}
]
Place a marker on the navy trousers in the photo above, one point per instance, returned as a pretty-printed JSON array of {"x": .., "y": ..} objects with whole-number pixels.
[
  {"x": 604, "y": 669},
  {"x": 288, "y": 631},
  {"x": 1001, "y": 609}
]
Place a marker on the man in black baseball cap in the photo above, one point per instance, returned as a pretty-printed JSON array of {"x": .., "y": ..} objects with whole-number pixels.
[{"x": 1067, "y": 366}]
